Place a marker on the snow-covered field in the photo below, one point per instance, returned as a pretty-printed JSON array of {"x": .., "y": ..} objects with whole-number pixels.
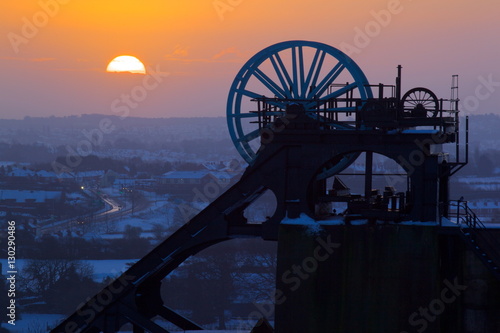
[
  {"x": 33, "y": 323},
  {"x": 38, "y": 323},
  {"x": 159, "y": 214}
]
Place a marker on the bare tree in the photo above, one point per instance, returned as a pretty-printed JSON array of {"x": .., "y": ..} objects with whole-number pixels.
[
  {"x": 256, "y": 272},
  {"x": 60, "y": 283},
  {"x": 224, "y": 278},
  {"x": 39, "y": 276},
  {"x": 160, "y": 231}
]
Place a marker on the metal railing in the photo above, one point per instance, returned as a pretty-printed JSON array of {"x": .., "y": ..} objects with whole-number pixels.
[
  {"x": 463, "y": 215},
  {"x": 482, "y": 240}
]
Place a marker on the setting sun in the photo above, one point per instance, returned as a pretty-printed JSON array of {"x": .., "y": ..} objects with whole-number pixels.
[{"x": 127, "y": 64}]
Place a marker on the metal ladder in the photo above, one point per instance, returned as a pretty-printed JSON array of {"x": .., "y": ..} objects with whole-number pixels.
[{"x": 477, "y": 236}]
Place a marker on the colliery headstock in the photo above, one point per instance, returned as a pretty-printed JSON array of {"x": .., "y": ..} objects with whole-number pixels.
[
  {"x": 312, "y": 95},
  {"x": 300, "y": 113}
]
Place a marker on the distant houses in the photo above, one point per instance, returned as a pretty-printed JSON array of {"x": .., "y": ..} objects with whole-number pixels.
[
  {"x": 212, "y": 180},
  {"x": 52, "y": 177},
  {"x": 486, "y": 209},
  {"x": 183, "y": 184},
  {"x": 23, "y": 175},
  {"x": 89, "y": 176},
  {"x": 25, "y": 200}
]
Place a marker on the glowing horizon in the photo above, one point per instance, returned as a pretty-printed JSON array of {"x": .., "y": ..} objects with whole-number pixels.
[{"x": 56, "y": 51}]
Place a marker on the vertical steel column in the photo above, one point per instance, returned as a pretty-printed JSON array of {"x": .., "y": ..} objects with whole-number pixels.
[{"x": 368, "y": 174}]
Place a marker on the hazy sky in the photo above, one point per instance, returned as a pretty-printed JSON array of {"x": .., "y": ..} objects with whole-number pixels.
[{"x": 54, "y": 53}]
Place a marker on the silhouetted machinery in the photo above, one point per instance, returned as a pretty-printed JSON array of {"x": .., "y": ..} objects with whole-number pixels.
[{"x": 299, "y": 113}]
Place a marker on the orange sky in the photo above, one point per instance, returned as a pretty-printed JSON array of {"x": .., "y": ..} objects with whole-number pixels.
[{"x": 59, "y": 69}]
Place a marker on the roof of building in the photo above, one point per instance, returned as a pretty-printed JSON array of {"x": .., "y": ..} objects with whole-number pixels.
[
  {"x": 21, "y": 173},
  {"x": 185, "y": 174},
  {"x": 41, "y": 173},
  {"x": 23, "y": 196},
  {"x": 90, "y": 174}
]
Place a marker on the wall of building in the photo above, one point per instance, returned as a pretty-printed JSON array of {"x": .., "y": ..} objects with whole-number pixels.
[{"x": 383, "y": 278}]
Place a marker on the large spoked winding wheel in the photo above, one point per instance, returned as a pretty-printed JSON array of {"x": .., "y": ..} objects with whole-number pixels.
[{"x": 310, "y": 73}]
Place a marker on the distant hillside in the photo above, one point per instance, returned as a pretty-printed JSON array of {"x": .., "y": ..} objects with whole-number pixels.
[
  {"x": 42, "y": 139},
  {"x": 484, "y": 129},
  {"x": 57, "y": 130}
]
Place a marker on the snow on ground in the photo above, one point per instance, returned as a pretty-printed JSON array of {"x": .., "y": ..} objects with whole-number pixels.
[
  {"x": 36, "y": 323},
  {"x": 428, "y": 224},
  {"x": 448, "y": 223},
  {"x": 315, "y": 226},
  {"x": 311, "y": 224},
  {"x": 160, "y": 212},
  {"x": 41, "y": 323},
  {"x": 146, "y": 220},
  {"x": 359, "y": 222},
  {"x": 112, "y": 268},
  {"x": 144, "y": 224},
  {"x": 102, "y": 268},
  {"x": 333, "y": 220}
]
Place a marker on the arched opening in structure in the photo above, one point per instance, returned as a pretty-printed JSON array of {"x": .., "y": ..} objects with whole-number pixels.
[
  {"x": 262, "y": 209},
  {"x": 224, "y": 287},
  {"x": 374, "y": 186}
]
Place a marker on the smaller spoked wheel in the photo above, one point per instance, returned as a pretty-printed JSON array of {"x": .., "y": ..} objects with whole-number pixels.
[{"x": 420, "y": 102}]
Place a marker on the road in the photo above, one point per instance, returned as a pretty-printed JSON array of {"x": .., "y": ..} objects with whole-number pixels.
[{"x": 117, "y": 209}]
